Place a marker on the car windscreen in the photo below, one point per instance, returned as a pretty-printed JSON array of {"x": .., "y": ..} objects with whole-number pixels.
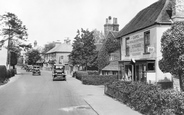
[
  {"x": 59, "y": 67},
  {"x": 36, "y": 67}
]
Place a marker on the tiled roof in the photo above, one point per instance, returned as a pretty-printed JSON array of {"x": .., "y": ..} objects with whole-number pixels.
[
  {"x": 113, "y": 66},
  {"x": 157, "y": 13},
  {"x": 98, "y": 46},
  {"x": 61, "y": 48},
  {"x": 114, "y": 33},
  {"x": 116, "y": 55}
]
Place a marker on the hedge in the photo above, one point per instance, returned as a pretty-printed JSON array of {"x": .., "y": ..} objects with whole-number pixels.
[
  {"x": 165, "y": 83},
  {"x": 98, "y": 79},
  {"x": 12, "y": 72},
  {"x": 93, "y": 72},
  {"x": 147, "y": 99},
  {"x": 3, "y": 73},
  {"x": 8, "y": 74},
  {"x": 80, "y": 74}
]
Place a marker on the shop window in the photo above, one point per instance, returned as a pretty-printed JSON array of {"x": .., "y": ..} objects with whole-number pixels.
[
  {"x": 128, "y": 72},
  {"x": 61, "y": 57},
  {"x": 127, "y": 47},
  {"x": 146, "y": 41},
  {"x": 114, "y": 73},
  {"x": 151, "y": 66}
]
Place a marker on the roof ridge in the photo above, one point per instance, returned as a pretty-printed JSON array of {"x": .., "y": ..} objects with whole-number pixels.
[
  {"x": 147, "y": 17},
  {"x": 60, "y": 48}
]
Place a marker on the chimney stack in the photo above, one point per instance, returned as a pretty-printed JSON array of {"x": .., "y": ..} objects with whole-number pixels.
[
  {"x": 67, "y": 41},
  {"x": 178, "y": 10},
  {"x": 115, "y": 21},
  {"x": 111, "y": 26}
]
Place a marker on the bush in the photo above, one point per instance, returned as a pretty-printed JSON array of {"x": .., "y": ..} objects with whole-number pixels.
[
  {"x": 80, "y": 74},
  {"x": 165, "y": 83},
  {"x": 74, "y": 74},
  {"x": 3, "y": 73},
  {"x": 93, "y": 72},
  {"x": 8, "y": 74},
  {"x": 147, "y": 99},
  {"x": 15, "y": 71},
  {"x": 12, "y": 72},
  {"x": 98, "y": 79}
]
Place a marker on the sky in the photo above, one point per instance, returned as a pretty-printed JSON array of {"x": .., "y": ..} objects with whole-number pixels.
[{"x": 51, "y": 20}]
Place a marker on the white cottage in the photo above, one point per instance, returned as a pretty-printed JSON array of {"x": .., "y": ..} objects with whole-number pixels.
[
  {"x": 141, "y": 43},
  {"x": 60, "y": 54}
]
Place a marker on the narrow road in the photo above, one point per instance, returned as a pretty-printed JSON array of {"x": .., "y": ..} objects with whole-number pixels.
[{"x": 39, "y": 95}]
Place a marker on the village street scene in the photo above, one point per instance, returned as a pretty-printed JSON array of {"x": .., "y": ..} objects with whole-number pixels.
[{"x": 53, "y": 62}]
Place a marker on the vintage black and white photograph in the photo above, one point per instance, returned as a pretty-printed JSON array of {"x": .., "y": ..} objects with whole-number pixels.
[{"x": 91, "y": 57}]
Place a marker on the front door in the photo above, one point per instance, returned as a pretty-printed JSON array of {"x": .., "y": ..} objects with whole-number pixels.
[{"x": 140, "y": 72}]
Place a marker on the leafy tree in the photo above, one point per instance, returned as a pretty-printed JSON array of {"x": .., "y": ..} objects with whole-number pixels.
[
  {"x": 12, "y": 31},
  {"x": 103, "y": 58},
  {"x": 172, "y": 45},
  {"x": 98, "y": 36},
  {"x": 48, "y": 47},
  {"x": 33, "y": 56},
  {"x": 83, "y": 49},
  {"x": 13, "y": 59},
  {"x": 110, "y": 45}
]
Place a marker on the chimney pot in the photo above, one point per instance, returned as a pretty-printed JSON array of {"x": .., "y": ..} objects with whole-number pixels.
[{"x": 115, "y": 21}]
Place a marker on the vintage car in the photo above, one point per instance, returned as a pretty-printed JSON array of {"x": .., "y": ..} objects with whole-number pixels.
[
  {"x": 36, "y": 70},
  {"x": 58, "y": 72}
]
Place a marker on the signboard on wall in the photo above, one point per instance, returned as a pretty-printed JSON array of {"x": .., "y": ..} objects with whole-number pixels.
[{"x": 136, "y": 44}]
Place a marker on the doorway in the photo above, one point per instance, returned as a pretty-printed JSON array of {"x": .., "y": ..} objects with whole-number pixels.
[{"x": 140, "y": 72}]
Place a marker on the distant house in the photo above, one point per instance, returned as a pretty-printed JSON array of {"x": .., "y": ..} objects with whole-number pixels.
[
  {"x": 113, "y": 67},
  {"x": 141, "y": 42},
  {"x": 111, "y": 30},
  {"x": 59, "y": 54}
]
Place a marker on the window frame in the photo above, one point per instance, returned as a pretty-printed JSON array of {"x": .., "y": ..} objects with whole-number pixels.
[
  {"x": 146, "y": 42},
  {"x": 153, "y": 62},
  {"x": 127, "y": 48}
]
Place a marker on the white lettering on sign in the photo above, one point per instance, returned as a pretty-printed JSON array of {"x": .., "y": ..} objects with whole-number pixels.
[{"x": 136, "y": 44}]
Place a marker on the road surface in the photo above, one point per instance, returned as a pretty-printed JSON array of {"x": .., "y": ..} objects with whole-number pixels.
[{"x": 39, "y": 95}]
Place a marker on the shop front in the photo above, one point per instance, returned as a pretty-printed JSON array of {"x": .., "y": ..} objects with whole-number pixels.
[
  {"x": 138, "y": 70},
  {"x": 139, "y": 59}
]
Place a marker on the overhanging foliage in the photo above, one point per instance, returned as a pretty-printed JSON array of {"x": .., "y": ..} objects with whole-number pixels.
[
  {"x": 110, "y": 45},
  {"x": 172, "y": 45}
]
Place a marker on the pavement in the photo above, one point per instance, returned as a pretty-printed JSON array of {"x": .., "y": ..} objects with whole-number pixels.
[{"x": 101, "y": 103}]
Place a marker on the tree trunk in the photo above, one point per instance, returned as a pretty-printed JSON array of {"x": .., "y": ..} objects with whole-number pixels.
[
  {"x": 13, "y": 66},
  {"x": 180, "y": 74}
]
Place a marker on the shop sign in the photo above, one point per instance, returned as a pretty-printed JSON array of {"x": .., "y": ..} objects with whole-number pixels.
[
  {"x": 136, "y": 44},
  {"x": 151, "y": 49}
]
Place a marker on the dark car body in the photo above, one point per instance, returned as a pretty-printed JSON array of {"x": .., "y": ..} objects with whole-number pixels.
[
  {"x": 58, "y": 72},
  {"x": 36, "y": 70}
]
